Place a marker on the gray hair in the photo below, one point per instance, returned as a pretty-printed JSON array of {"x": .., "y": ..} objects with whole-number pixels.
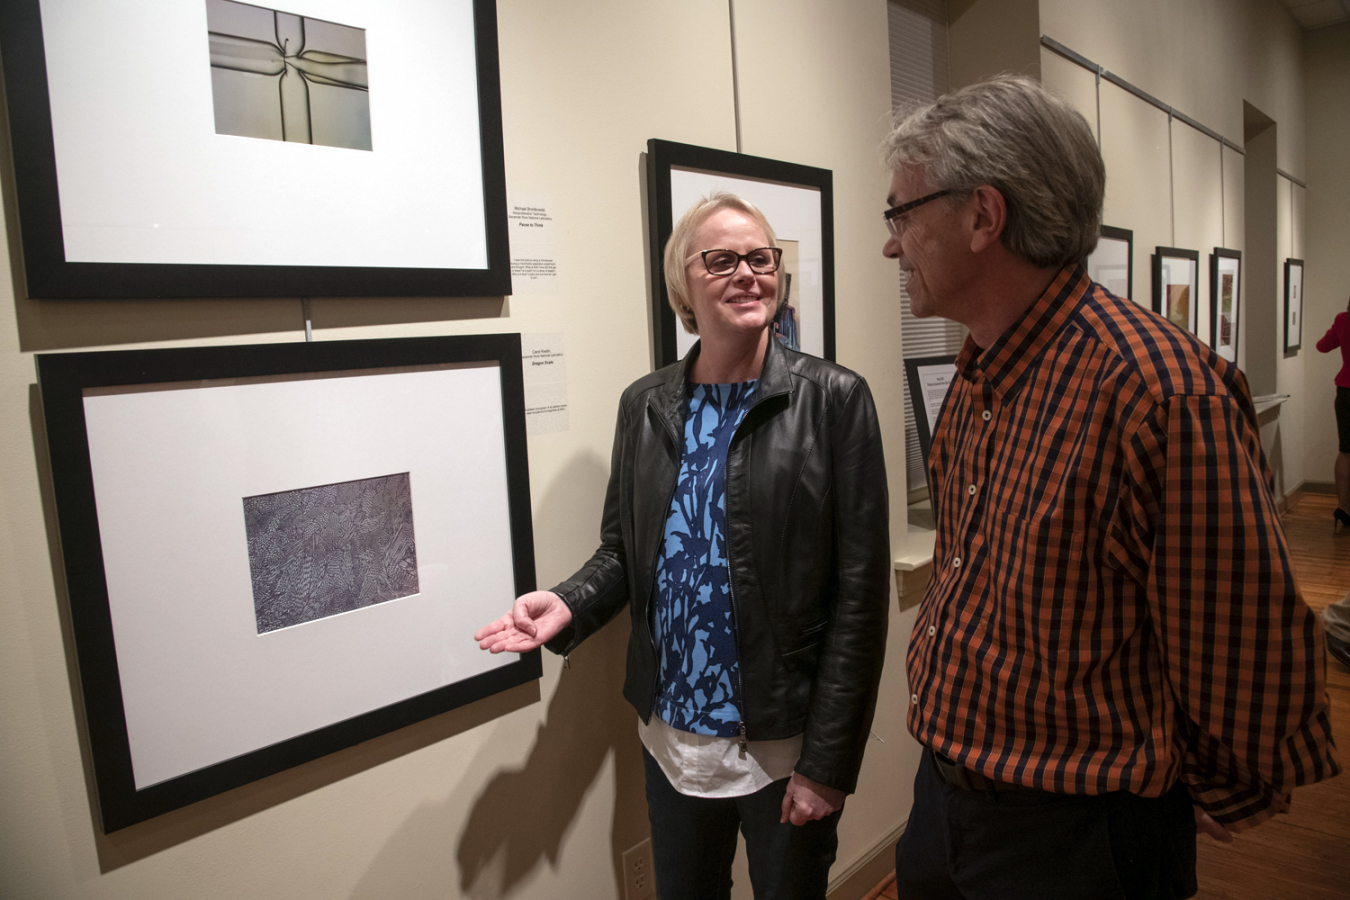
[
  {"x": 677, "y": 248},
  {"x": 1031, "y": 145}
]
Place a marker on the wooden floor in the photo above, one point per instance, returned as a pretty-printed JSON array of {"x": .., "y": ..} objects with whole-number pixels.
[{"x": 1304, "y": 855}]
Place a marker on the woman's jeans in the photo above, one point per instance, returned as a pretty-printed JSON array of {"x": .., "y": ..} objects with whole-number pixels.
[{"x": 694, "y": 841}]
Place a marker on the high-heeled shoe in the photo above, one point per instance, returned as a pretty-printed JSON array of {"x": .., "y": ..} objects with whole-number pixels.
[{"x": 1340, "y": 517}]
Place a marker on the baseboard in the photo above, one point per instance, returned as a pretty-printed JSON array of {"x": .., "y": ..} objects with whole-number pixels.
[
  {"x": 1290, "y": 499},
  {"x": 857, "y": 880}
]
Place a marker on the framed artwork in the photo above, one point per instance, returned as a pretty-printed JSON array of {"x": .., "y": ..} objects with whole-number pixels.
[
  {"x": 1293, "y": 306},
  {"x": 929, "y": 377},
  {"x": 1112, "y": 264},
  {"x": 274, "y": 552},
  {"x": 218, "y": 148},
  {"x": 1225, "y": 301},
  {"x": 1176, "y": 286},
  {"x": 797, "y": 200}
]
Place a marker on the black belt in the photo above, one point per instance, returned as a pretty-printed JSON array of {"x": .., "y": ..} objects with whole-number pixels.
[{"x": 959, "y": 776}]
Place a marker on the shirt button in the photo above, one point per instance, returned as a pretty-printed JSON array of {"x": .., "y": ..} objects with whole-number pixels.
[
  {"x": 932, "y": 630},
  {"x": 971, "y": 490},
  {"x": 986, "y": 415},
  {"x": 956, "y": 563},
  {"x": 913, "y": 698}
]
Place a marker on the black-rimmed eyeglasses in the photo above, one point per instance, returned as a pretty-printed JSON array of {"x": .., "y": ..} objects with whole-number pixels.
[
  {"x": 892, "y": 215},
  {"x": 762, "y": 260}
]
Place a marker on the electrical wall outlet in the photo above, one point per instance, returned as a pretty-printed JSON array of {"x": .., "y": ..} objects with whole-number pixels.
[{"x": 639, "y": 877}]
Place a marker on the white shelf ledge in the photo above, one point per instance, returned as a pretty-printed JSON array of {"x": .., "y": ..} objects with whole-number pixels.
[
  {"x": 1268, "y": 402},
  {"x": 918, "y": 550}
]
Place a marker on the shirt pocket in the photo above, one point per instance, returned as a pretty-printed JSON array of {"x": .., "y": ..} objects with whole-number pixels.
[{"x": 1041, "y": 577}]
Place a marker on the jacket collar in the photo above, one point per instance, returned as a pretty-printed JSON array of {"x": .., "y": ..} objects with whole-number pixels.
[{"x": 775, "y": 377}]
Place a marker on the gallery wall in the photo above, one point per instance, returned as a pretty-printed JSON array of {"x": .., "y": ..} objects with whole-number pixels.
[
  {"x": 1296, "y": 417},
  {"x": 535, "y": 792},
  {"x": 1327, "y": 63},
  {"x": 1175, "y": 186},
  {"x": 1202, "y": 57},
  {"x": 988, "y": 37}
]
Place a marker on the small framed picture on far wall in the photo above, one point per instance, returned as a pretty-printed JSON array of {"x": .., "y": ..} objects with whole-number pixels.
[
  {"x": 1293, "y": 306},
  {"x": 1225, "y": 301},
  {"x": 1176, "y": 286},
  {"x": 1112, "y": 264}
]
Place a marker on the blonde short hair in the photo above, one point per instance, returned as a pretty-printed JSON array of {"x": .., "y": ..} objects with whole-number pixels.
[{"x": 677, "y": 248}]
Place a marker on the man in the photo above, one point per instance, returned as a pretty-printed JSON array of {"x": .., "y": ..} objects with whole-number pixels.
[{"x": 1112, "y": 652}]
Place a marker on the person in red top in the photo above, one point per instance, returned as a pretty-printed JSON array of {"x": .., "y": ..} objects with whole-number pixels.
[
  {"x": 1338, "y": 335},
  {"x": 1112, "y": 651}
]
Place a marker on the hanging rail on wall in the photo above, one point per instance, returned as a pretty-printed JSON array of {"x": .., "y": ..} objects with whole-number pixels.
[
  {"x": 1148, "y": 98},
  {"x": 1283, "y": 173}
]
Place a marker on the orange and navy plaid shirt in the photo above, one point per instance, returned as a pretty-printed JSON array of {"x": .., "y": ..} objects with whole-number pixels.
[{"x": 1112, "y": 605}]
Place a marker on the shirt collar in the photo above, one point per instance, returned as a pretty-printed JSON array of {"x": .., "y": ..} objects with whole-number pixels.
[{"x": 1017, "y": 349}]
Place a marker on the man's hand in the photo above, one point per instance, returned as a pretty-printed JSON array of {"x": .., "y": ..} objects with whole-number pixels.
[
  {"x": 534, "y": 619},
  {"x": 805, "y": 800},
  {"x": 1205, "y": 825}
]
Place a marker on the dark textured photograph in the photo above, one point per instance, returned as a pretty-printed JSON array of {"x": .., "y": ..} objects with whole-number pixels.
[
  {"x": 285, "y": 77},
  {"x": 320, "y": 551}
]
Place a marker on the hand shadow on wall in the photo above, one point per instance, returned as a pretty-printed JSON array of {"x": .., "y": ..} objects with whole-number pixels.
[{"x": 523, "y": 815}]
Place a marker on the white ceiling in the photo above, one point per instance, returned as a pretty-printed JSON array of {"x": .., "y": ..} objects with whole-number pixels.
[{"x": 1312, "y": 14}]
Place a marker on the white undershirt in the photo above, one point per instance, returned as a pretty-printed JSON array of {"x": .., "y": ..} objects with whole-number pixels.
[{"x": 699, "y": 765}]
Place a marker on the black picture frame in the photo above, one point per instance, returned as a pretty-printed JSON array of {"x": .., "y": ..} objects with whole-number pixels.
[
  {"x": 1293, "y": 306},
  {"x": 1098, "y": 269},
  {"x": 1160, "y": 306},
  {"x": 49, "y": 276},
  {"x": 68, "y": 380},
  {"x": 1223, "y": 258},
  {"x": 662, "y": 157},
  {"x": 924, "y": 423}
]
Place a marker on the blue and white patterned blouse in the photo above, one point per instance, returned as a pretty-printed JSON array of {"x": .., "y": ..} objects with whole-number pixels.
[{"x": 699, "y": 686}]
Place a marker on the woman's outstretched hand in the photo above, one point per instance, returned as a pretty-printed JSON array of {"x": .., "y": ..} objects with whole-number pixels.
[{"x": 534, "y": 619}]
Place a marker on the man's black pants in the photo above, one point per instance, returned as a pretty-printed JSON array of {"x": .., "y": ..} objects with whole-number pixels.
[{"x": 962, "y": 844}]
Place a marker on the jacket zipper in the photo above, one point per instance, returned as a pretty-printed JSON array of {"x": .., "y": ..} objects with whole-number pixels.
[
  {"x": 736, "y": 633},
  {"x": 731, "y": 587}
]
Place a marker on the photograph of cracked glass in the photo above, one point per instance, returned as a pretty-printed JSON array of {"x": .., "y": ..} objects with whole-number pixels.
[
  {"x": 285, "y": 77},
  {"x": 319, "y": 551}
]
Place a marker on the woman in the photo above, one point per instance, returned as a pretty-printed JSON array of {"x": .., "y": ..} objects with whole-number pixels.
[
  {"x": 1338, "y": 335},
  {"x": 745, "y": 527}
]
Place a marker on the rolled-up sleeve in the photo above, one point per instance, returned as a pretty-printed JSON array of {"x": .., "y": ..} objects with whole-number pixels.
[{"x": 1241, "y": 650}]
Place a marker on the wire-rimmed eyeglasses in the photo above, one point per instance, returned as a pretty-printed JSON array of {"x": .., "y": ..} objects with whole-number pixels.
[
  {"x": 892, "y": 215},
  {"x": 761, "y": 260}
]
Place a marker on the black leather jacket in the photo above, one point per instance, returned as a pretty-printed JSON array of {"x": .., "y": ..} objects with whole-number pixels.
[{"x": 807, "y": 542}]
